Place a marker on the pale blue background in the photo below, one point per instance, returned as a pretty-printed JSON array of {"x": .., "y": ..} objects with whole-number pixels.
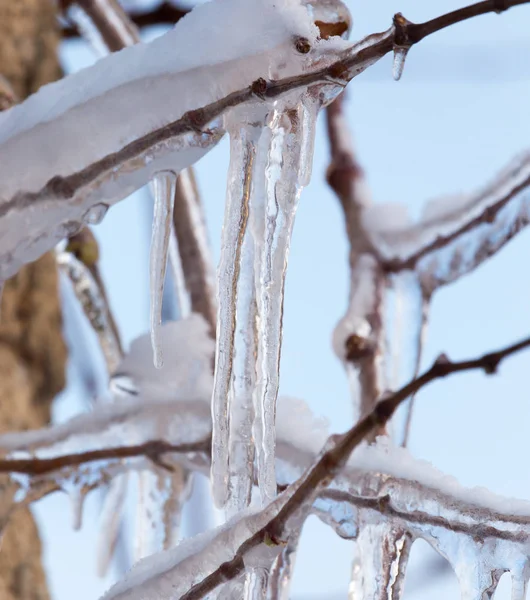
[{"x": 458, "y": 115}]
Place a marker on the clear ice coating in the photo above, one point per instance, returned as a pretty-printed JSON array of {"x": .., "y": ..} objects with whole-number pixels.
[
  {"x": 270, "y": 162},
  {"x": 161, "y": 498},
  {"x": 164, "y": 184},
  {"x": 95, "y": 214},
  {"x": 382, "y": 552},
  {"x": 405, "y": 323}
]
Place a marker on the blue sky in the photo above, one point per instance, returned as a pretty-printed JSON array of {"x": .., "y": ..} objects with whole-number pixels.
[{"x": 457, "y": 116}]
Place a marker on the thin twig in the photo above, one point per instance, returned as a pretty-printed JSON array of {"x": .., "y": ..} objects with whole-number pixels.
[
  {"x": 154, "y": 450},
  {"x": 379, "y": 416},
  {"x": 118, "y": 31}
]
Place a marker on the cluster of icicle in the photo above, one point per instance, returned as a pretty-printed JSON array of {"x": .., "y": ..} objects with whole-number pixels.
[
  {"x": 383, "y": 499},
  {"x": 383, "y": 495}
]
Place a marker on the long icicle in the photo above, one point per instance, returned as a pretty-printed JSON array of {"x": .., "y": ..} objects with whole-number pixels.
[
  {"x": 242, "y": 155},
  {"x": 164, "y": 184},
  {"x": 270, "y": 163},
  {"x": 288, "y": 169}
]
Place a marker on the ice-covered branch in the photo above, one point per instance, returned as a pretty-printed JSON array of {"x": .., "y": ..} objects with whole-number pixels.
[
  {"x": 351, "y": 496},
  {"x": 152, "y": 450},
  {"x": 395, "y": 270},
  {"x": 255, "y": 540},
  {"x": 358, "y": 339},
  {"x": 124, "y": 153},
  {"x": 456, "y": 235}
]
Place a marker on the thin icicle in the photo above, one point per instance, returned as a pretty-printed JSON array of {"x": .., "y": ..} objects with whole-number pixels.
[
  {"x": 282, "y": 571},
  {"x": 256, "y": 584},
  {"x": 232, "y": 452},
  {"x": 409, "y": 407},
  {"x": 76, "y": 494},
  {"x": 179, "y": 283},
  {"x": 110, "y": 521},
  {"x": 161, "y": 499},
  {"x": 400, "y": 57},
  {"x": 520, "y": 582},
  {"x": 164, "y": 184},
  {"x": 379, "y": 568},
  {"x": 288, "y": 170},
  {"x": 406, "y": 315}
]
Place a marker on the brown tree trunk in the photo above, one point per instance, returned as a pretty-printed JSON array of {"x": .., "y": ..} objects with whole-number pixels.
[{"x": 32, "y": 350}]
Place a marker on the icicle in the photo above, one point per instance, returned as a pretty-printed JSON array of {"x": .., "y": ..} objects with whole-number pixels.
[
  {"x": 270, "y": 162},
  {"x": 77, "y": 494},
  {"x": 179, "y": 282},
  {"x": 161, "y": 499},
  {"x": 164, "y": 184},
  {"x": 256, "y": 584},
  {"x": 400, "y": 56},
  {"x": 288, "y": 170},
  {"x": 379, "y": 567},
  {"x": 282, "y": 571},
  {"x": 232, "y": 453},
  {"x": 477, "y": 582},
  {"x": 406, "y": 314},
  {"x": 520, "y": 582},
  {"x": 110, "y": 521}
]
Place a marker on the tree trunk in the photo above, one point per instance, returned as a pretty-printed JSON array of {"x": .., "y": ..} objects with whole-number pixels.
[{"x": 32, "y": 350}]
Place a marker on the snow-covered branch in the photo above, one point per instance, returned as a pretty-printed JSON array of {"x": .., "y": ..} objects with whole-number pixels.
[
  {"x": 127, "y": 152},
  {"x": 379, "y": 480},
  {"x": 398, "y": 268},
  {"x": 456, "y": 235}
]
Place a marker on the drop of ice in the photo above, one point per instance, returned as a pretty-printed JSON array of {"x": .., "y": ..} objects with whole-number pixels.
[
  {"x": 400, "y": 56},
  {"x": 68, "y": 229},
  {"x": 164, "y": 184},
  {"x": 95, "y": 214}
]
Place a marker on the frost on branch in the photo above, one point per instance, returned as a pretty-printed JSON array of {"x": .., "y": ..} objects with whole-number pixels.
[{"x": 455, "y": 234}]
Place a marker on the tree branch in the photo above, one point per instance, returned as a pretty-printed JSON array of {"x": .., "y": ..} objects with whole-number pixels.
[
  {"x": 117, "y": 166},
  {"x": 164, "y": 14},
  {"x": 300, "y": 495},
  {"x": 118, "y": 31},
  {"x": 153, "y": 450},
  {"x": 333, "y": 460}
]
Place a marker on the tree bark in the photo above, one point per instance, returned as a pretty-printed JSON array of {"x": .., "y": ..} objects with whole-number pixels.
[{"x": 32, "y": 350}]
